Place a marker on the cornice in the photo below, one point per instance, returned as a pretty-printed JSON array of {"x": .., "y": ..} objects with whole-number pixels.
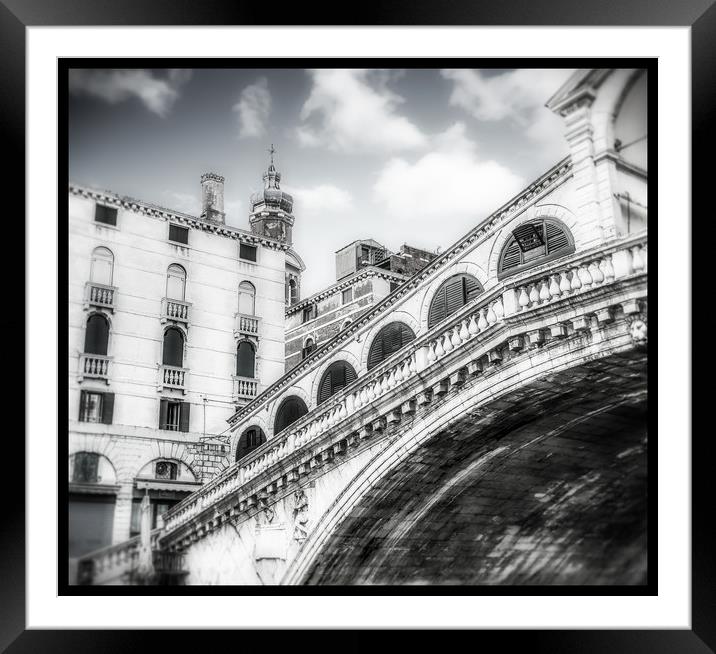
[
  {"x": 156, "y": 211},
  {"x": 483, "y": 229}
]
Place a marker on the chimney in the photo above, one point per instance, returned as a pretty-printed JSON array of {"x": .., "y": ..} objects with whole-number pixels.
[{"x": 212, "y": 197}]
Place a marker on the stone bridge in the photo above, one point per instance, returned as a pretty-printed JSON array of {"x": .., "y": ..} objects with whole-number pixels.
[{"x": 507, "y": 444}]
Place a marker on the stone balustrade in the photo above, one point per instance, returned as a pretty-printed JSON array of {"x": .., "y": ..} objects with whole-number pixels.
[
  {"x": 175, "y": 310},
  {"x": 415, "y": 362},
  {"x": 99, "y": 295},
  {"x": 93, "y": 366},
  {"x": 247, "y": 325},
  {"x": 172, "y": 377},
  {"x": 114, "y": 562},
  {"x": 245, "y": 388}
]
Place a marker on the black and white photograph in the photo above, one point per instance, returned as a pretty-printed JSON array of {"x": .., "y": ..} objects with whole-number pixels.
[{"x": 351, "y": 327}]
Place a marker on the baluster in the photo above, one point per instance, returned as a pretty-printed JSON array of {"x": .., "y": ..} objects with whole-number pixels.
[
  {"x": 554, "y": 287},
  {"x": 473, "y": 328},
  {"x": 432, "y": 355},
  {"x": 524, "y": 299},
  {"x": 564, "y": 285},
  {"x": 534, "y": 295},
  {"x": 438, "y": 348},
  {"x": 482, "y": 321},
  {"x": 585, "y": 276},
  {"x": 412, "y": 363},
  {"x": 498, "y": 308},
  {"x": 490, "y": 316},
  {"x": 455, "y": 339},
  {"x": 398, "y": 375},
  {"x": 447, "y": 344},
  {"x": 597, "y": 274},
  {"x": 464, "y": 332},
  {"x": 544, "y": 290},
  {"x": 576, "y": 282}
]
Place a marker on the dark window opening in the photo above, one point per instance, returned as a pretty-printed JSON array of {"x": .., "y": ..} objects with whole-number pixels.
[
  {"x": 338, "y": 375},
  {"x": 173, "y": 350},
  {"x": 548, "y": 240},
  {"x": 387, "y": 341},
  {"x": 308, "y": 348},
  {"x": 96, "y": 335},
  {"x": 96, "y": 407},
  {"x": 249, "y": 441},
  {"x": 178, "y": 234},
  {"x": 174, "y": 415},
  {"x": 452, "y": 295},
  {"x": 309, "y": 313},
  {"x": 291, "y": 409},
  {"x": 106, "y": 215},
  {"x": 247, "y": 252},
  {"x": 85, "y": 468},
  {"x": 245, "y": 360},
  {"x": 165, "y": 470},
  {"x": 347, "y": 296}
]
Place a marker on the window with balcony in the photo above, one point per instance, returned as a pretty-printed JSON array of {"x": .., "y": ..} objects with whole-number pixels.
[
  {"x": 245, "y": 360},
  {"x": 178, "y": 234},
  {"x": 247, "y": 299},
  {"x": 105, "y": 215},
  {"x": 453, "y": 294},
  {"x": 176, "y": 282},
  {"x": 247, "y": 252},
  {"x": 250, "y": 440},
  {"x": 96, "y": 407},
  {"x": 387, "y": 341},
  {"x": 533, "y": 243},
  {"x": 309, "y": 347},
  {"x": 173, "y": 348},
  {"x": 290, "y": 410},
  {"x": 338, "y": 375},
  {"x": 102, "y": 268},
  {"x": 174, "y": 415},
  {"x": 96, "y": 335}
]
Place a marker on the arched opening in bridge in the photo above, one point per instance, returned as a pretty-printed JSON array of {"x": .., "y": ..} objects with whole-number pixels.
[
  {"x": 338, "y": 375},
  {"x": 533, "y": 243},
  {"x": 249, "y": 441},
  {"x": 97, "y": 334},
  {"x": 453, "y": 294},
  {"x": 387, "y": 341},
  {"x": 245, "y": 360},
  {"x": 290, "y": 410}
]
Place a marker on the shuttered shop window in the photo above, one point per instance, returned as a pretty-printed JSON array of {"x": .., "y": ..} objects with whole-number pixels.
[
  {"x": 556, "y": 241},
  {"x": 453, "y": 294},
  {"x": 291, "y": 409},
  {"x": 387, "y": 341},
  {"x": 339, "y": 375}
]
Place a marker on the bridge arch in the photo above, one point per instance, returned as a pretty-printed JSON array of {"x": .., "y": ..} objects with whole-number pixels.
[
  {"x": 460, "y": 268},
  {"x": 345, "y": 525}
]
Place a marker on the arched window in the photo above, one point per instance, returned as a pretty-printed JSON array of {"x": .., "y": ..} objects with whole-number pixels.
[
  {"x": 292, "y": 291},
  {"x": 290, "y": 410},
  {"x": 173, "y": 352},
  {"x": 250, "y": 440},
  {"x": 176, "y": 282},
  {"x": 453, "y": 294},
  {"x": 102, "y": 266},
  {"x": 387, "y": 341},
  {"x": 308, "y": 348},
  {"x": 247, "y": 298},
  {"x": 245, "y": 360},
  {"x": 96, "y": 334},
  {"x": 532, "y": 243},
  {"x": 337, "y": 377}
]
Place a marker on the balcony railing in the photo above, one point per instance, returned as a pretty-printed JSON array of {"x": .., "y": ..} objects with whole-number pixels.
[
  {"x": 99, "y": 295},
  {"x": 245, "y": 388},
  {"x": 247, "y": 325},
  {"x": 93, "y": 366},
  {"x": 175, "y": 310},
  {"x": 172, "y": 377},
  {"x": 476, "y": 321}
]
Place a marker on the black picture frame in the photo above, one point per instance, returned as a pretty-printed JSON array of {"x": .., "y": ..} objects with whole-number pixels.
[{"x": 16, "y": 15}]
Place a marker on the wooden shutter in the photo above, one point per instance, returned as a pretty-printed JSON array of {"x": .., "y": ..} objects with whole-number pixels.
[
  {"x": 557, "y": 239},
  {"x": 163, "y": 410},
  {"x": 290, "y": 410},
  {"x": 454, "y": 295},
  {"x": 473, "y": 288},
  {"x": 438, "y": 308},
  {"x": 107, "y": 408},
  {"x": 324, "y": 390},
  {"x": 184, "y": 416},
  {"x": 388, "y": 340},
  {"x": 512, "y": 256},
  {"x": 83, "y": 404}
]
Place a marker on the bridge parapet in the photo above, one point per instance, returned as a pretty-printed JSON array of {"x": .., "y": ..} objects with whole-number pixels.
[{"x": 557, "y": 297}]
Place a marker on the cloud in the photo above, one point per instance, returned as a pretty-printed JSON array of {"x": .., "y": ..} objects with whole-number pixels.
[
  {"x": 324, "y": 197},
  {"x": 354, "y": 111},
  {"x": 253, "y": 109},
  {"x": 158, "y": 94},
  {"x": 450, "y": 185}
]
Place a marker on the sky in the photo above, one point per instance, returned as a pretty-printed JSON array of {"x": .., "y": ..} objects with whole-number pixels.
[{"x": 416, "y": 156}]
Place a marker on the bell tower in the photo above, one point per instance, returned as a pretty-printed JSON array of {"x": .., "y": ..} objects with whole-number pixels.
[{"x": 271, "y": 209}]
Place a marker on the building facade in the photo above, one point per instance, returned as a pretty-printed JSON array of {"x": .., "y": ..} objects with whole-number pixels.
[
  {"x": 175, "y": 321},
  {"x": 366, "y": 272}
]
